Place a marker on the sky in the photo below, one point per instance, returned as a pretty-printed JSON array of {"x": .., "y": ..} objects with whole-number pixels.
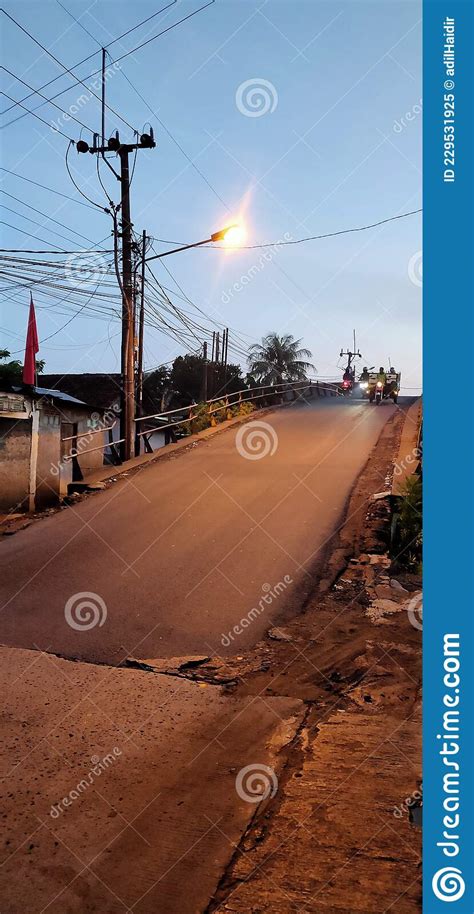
[{"x": 293, "y": 118}]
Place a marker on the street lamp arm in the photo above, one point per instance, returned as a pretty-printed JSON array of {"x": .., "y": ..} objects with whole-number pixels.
[
  {"x": 184, "y": 247},
  {"x": 216, "y": 236}
]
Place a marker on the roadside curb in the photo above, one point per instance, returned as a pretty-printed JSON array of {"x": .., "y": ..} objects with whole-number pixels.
[{"x": 408, "y": 453}]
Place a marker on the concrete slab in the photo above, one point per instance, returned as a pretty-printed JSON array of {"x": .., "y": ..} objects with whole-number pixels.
[{"x": 121, "y": 785}]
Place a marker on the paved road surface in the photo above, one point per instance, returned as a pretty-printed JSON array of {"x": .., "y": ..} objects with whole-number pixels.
[{"x": 184, "y": 549}]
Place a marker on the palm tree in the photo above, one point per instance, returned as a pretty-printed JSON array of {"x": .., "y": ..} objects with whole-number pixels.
[{"x": 279, "y": 358}]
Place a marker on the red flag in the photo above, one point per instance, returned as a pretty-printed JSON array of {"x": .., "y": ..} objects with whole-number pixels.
[{"x": 32, "y": 347}]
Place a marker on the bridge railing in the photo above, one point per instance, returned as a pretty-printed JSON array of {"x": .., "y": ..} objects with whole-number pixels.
[
  {"x": 182, "y": 415},
  {"x": 226, "y": 401}
]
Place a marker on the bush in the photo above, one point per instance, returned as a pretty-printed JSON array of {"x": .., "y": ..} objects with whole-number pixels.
[
  {"x": 408, "y": 539},
  {"x": 202, "y": 419}
]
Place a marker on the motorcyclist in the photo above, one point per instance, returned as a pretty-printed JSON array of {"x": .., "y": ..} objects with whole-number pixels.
[
  {"x": 381, "y": 376},
  {"x": 364, "y": 378}
]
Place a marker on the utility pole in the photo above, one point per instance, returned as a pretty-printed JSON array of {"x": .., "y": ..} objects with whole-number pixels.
[
  {"x": 141, "y": 326},
  {"x": 123, "y": 150},
  {"x": 351, "y": 355},
  {"x": 204, "y": 372}
]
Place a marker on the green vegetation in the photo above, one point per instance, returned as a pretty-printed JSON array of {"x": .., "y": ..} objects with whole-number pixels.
[
  {"x": 11, "y": 372},
  {"x": 407, "y": 541},
  {"x": 279, "y": 358}
]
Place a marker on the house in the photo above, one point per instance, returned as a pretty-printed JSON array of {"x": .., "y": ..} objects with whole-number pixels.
[
  {"x": 48, "y": 440},
  {"x": 100, "y": 389}
]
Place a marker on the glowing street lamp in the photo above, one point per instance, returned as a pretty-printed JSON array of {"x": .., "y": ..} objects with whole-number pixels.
[{"x": 232, "y": 237}]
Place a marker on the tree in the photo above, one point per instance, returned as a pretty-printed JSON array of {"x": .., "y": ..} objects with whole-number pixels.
[
  {"x": 279, "y": 358},
  {"x": 156, "y": 390},
  {"x": 11, "y": 372},
  {"x": 186, "y": 379}
]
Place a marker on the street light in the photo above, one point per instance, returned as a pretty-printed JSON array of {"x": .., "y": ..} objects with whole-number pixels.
[{"x": 232, "y": 236}]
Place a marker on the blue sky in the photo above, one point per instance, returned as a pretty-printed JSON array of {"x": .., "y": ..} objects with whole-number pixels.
[{"x": 338, "y": 147}]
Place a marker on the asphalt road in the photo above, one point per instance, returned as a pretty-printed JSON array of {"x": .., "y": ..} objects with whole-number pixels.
[{"x": 179, "y": 553}]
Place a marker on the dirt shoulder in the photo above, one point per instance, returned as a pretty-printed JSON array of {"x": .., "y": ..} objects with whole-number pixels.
[{"x": 341, "y": 835}]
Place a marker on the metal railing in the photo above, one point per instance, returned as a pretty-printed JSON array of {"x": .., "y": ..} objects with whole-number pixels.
[{"x": 214, "y": 406}]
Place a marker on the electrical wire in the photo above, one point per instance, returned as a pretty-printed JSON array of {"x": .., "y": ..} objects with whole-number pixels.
[
  {"x": 98, "y": 205},
  {"x": 362, "y": 228},
  {"x": 37, "y": 92},
  {"x": 63, "y": 66},
  {"x": 95, "y": 72},
  {"x": 49, "y": 218},
  {"x": 37, "y": 116},
  {"x": 175, "y": 141},
  {"x": 89, "y": 57},
  {"x": 45, "y": 187}
]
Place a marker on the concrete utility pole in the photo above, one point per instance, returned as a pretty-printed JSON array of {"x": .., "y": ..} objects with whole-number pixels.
[
  {"x": 141, "y": 327},
  {"x": 127, "y": 412},
  {"x": 204, "y": 372}
]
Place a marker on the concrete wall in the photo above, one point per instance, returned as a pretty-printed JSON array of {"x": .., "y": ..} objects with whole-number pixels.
[
  {"x": 49, "y": 449},
  {"x": 15, "y": 445},
  {"x": 53, "y": 472}
]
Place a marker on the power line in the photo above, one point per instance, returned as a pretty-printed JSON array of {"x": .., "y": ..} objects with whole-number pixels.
[
  {"x": 58, "y": 107},
  {"x": 280, "y": 243},
  {"x": 63, "y": 66},
  {"x": 45, "y": 187},
  {"x": 49, "y": 218},
  {"x": 37, "y": 116},
  {"x": 95, "y": 72},
  {"x": 362, "y": 228},
  {"x": 90, "y": 56},
  {"x": 175, "y": 141}
]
